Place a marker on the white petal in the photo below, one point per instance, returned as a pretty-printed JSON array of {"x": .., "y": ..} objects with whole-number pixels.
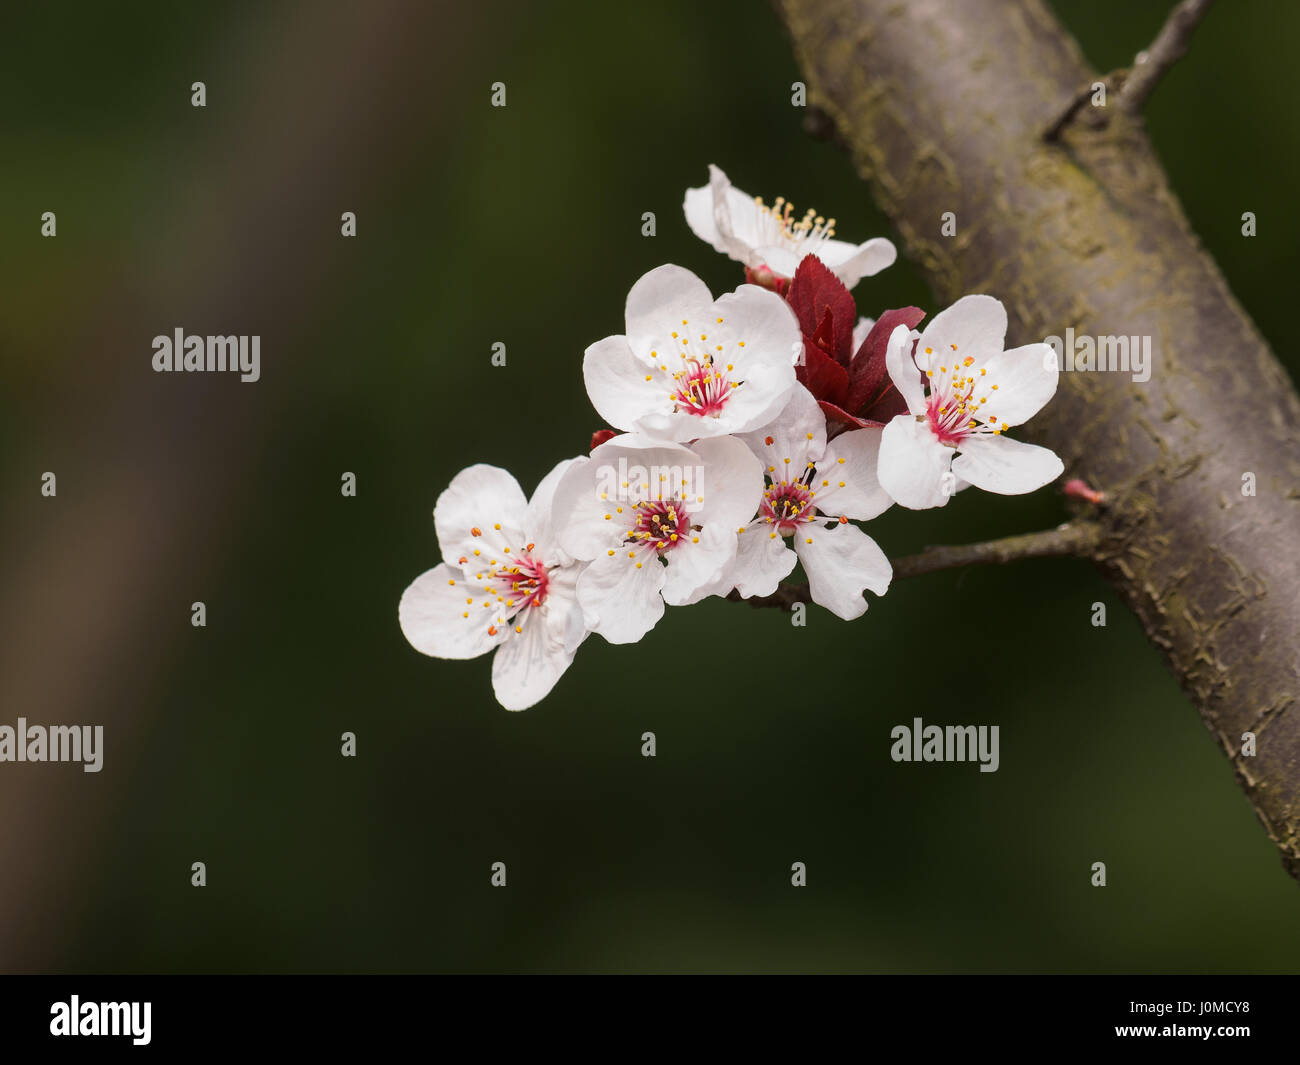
[
  {"x": 480, "y": 497},
  {"x": 841, "y": 562},
  {"x": 1026, "y": 380},
  {"x": 580, "y": 527},
  {"x": 561, "y": 610},
  {"x": 528, "y": 663},
  {"x": 977, "y": 325},
  {"x": 903, "y": 371},
  {"x": 617, "y": 386},
  {"x": 733, "y": 483},
  {"x": 735, "y": 215},
  {"x": 698, "y": 207},
  {"x": 658, "y": 303},
  {"x": 860, "y": 332},
  {"x": 698, "y": 570},
  {"x": 1008, "y": 467},
  {"x": 852, "y": 262},
  {"x": 798, "y": 433},
  {"x": 620, "y": 601},
  {"x": 861, "y": 497},
  {"x": 673, "y": 427},
  {"x": 432, "y": 615},
  {"x": 913, "y": 464},
  {"x": 539, "y": 520},
  {"x": 764, "y": 323},
  {"x": 781, "y": 260},
  {"x": 763, "y": 561}
]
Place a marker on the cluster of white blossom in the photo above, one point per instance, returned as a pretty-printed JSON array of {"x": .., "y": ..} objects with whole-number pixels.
[{"x": 755, "y": 430}]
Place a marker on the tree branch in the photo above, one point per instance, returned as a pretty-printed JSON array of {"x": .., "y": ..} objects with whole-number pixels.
[
  {"x": 1169, "y": 46},
  {"x": 1079, "y": 538},
  {"x": 942, "y": 107}
]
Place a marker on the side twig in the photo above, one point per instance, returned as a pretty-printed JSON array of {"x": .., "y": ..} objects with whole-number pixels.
[
  {"x": 1169, "y": 46},
  {"x": 1134, "y": 85}
]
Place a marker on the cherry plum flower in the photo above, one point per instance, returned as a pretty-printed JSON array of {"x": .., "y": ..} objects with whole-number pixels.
[
  {"x": 504, "y": 585},
  {"x": 771, "y": 240},
  {"x": 973, "y": 392},
  {"x": 657, "y": 522},
  {"x": 813, "y": 488},
  {"x": 691, "y": 366}
]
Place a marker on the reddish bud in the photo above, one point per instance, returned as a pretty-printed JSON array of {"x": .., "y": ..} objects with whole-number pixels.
[{"x": 600, "y": 436}]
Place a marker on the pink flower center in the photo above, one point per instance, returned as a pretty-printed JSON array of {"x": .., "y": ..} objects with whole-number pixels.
[
  {"x": 660, "y": 524},
  {"x": 788, "y": 504},
  {"x": 511, "y": 583},
  {"x": 948, "y": 420},
  {"x": 523, "y": 584},
  {"x": 956, "y": 406},
  {"x": 701, "y": 388},
  {"x": 707, "y": 369}
]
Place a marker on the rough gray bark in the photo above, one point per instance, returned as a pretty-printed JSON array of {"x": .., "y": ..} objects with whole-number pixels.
[{"x": 943, "y": 107}]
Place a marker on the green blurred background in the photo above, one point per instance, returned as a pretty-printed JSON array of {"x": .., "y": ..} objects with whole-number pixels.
[{"x": 522, "y": 225}]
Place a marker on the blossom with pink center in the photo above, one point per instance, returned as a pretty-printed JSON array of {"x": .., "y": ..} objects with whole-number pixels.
[
  {"x": 772, "y": 239},
  {"x": 813, "y": 489},
  {"x": 974, "y": 391},
  {"x": 690, "y": 366},
  {"x": 504, "y": 584},
  {"x": 658, "y": 524}
]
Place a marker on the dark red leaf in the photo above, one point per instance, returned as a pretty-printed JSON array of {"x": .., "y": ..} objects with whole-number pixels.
[
  {"x": 868, "y": 375},
  {"x": 822, "y": 376},
  {"x": 600, "y": 436},
  {"x": 814, "y": 294},
  {"x": 838, "y": 416},
  {"x": 885, "y": 406},
  {"x": 824, "y": 338}
]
